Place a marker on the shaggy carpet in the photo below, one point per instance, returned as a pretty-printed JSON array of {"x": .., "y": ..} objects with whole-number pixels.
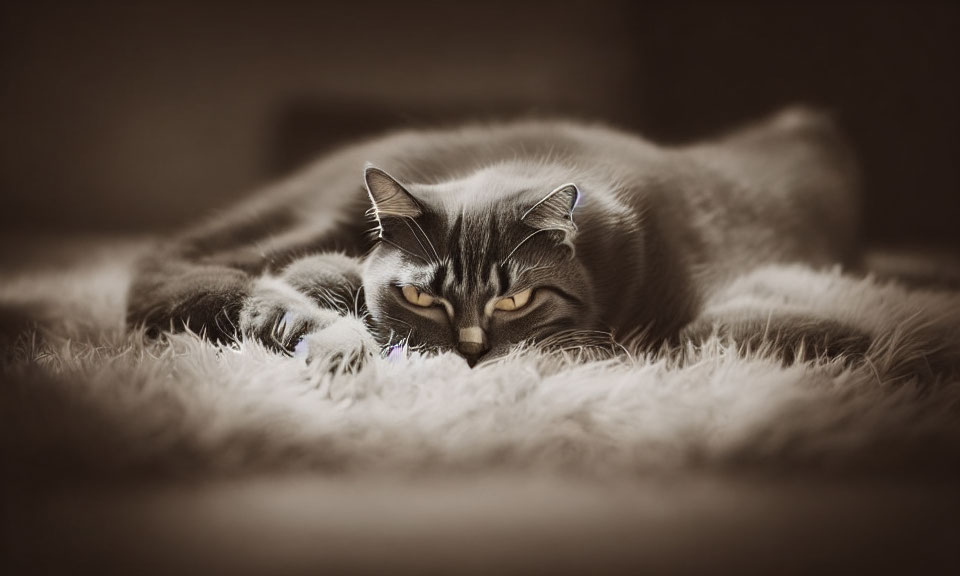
[{"x": 180, "y": 455}]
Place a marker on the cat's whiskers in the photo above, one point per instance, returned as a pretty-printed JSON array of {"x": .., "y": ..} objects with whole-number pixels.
[
  {"x": 395, "y": 339},
  {"x": 359, "y": 309},
  {"x": 397, "y": 320},
  {"x": 427, "y": 238},
  {"x": 406, "y": 222},
  {"x": 404, "y": 250}
]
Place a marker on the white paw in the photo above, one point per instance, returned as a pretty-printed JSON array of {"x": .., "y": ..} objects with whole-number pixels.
[
  {"x": 345, "y": 345},
  {"x": 278, "y": 316}
]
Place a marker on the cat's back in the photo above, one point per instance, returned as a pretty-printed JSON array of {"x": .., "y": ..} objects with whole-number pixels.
[
  {"x": 783, "y": 189},
  {"x": 779, "y": 177},
  {"x": 325, "y": 189},
  {"x": 329, "y": 191}
]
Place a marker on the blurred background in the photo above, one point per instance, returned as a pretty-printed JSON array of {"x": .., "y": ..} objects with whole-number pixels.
[{"x": 137, "y": 117}]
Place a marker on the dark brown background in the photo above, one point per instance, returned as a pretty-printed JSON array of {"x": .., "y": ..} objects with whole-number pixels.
[{"x": 139, "y": 117}]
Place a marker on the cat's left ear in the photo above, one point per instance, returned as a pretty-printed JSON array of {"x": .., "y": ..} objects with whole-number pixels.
[
  {"x": 555, "y": 212},
  {"x": 389, "y": 197}
]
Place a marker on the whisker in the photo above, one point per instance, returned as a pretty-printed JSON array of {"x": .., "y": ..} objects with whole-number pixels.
[
  {"x": 416, "y": 237},
  {"x": 359, "y": 304},
  {"x": 427, "y": 238},
  {"x": 399, "y": 321},
  {"x": 404, "y": 250}
]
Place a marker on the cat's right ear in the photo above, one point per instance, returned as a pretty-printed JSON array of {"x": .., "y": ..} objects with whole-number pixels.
[
  {"x": 555, "y": 212},
  {"x": 388, "y": 197}
]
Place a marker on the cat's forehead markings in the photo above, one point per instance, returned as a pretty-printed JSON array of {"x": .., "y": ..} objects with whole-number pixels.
[
  {"x": 476, "y": 193},
  {"x": 412, "y": 274},
  {"x": 493, "y": 278}
]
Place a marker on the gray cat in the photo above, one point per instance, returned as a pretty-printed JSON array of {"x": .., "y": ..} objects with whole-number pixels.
[{"x": 480, "y": 238}]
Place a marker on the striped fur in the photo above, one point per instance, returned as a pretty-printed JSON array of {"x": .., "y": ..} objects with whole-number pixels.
[{"x": 616, "y": 236}]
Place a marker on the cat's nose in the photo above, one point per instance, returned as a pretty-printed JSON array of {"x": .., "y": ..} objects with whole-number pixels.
[
  {"x": 472, "y": 344},
  {"x": 472, "y": 357}
]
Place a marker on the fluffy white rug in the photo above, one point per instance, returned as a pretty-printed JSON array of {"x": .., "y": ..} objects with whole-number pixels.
[
  {"x": 96, "y": 396},
  {"x": 82, "y": 401}
]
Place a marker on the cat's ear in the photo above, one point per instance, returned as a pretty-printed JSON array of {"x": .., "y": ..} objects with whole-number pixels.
[
  {"x": 389, "y": 197},
  {"x": 555, "y": 212}
]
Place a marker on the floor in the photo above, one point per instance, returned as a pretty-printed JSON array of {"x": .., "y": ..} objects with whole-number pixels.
[{"x": 493, "y": 525}]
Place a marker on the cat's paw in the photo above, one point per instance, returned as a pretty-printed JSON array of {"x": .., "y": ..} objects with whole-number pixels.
[
  {"x": 343, "y": 346},
  {"x": 331, "y": 280},
  {"x": 278, "y": 316},
  {"x": 175, "y": 295}
]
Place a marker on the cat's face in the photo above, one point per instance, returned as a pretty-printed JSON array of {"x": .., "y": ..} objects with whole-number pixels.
[{"x": 455, "y": 270}]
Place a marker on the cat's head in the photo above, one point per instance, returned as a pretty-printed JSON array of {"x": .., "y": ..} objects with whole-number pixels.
[{"x": 474, "y": 265}]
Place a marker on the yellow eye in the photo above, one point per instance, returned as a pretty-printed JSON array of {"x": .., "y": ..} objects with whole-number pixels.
[
  {"x": 416, "y": 297},
  {"x": 515, "y": 302}
]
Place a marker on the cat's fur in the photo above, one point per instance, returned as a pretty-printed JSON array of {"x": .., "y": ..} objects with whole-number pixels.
[{"x": 631, "y": 244}]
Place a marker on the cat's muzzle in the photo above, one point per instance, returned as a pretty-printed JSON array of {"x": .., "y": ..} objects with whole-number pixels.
[{"x": 472, "y": 344}]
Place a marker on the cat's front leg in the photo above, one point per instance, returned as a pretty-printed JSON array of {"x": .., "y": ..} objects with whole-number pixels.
[
  {"x": 172, "y": 294},
  {"x": 313, "y": 308}
]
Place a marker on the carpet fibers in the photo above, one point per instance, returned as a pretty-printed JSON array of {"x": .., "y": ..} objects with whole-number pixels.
[{"x": 425, "y": 465}]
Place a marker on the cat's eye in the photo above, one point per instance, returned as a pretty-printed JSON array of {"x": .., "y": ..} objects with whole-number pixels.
[
  {"x": 515, "y": 302},
  {"x": 416, "y": 297}
]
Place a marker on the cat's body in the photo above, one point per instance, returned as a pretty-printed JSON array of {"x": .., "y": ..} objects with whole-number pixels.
[{"x": 646, "y": 234}]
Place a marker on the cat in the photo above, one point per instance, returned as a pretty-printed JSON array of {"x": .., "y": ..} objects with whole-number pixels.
[{"x": 482, "y": 238}]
